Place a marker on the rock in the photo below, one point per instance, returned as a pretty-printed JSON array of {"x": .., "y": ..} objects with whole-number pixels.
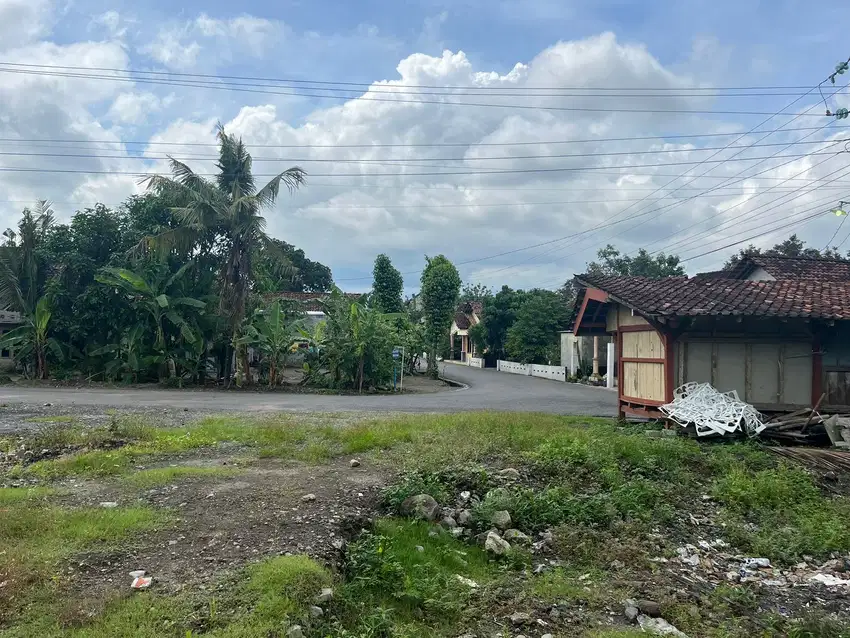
[
  {"x": 316, "y": 611},
  {"x": 421, "y": 506},
  {"x": 756, "y": 563},
  {"x": 520, "y": 618},
  {"x": 457, "y": 532},
  {"x": 47, "y": 405},
  {"x": 509, "y": 473},
  {"x": 539, "y": 569},
  {"x": 295, "y": 632},
  {"x": 554, "y": 613},
  {"x": 516, "y": 536},
  {"x": 466, "y": 581},
  {"x": 137, "y": 573},
  {"x": 617, "y": 565},
  {"x": 631, "y": 610},
  {"x": 547, "y": 636},
  {"x": 501, "y": 519},
  {"x": 308, "y": 498},
  {"x": 649, "y": 607},
  {"x": 448, "y": 522},
  {"x": 496, "y": 544},
  {"x": 354, "y": 463},
  {"x": 659, "y": 627},
  {"x": 109, "y": 505},
  {"x": 326, "y": 595},
  {"x": 420, "y": 549},
  {"x": 464, "y": 518},
  {"x": 464, "y": 496}
]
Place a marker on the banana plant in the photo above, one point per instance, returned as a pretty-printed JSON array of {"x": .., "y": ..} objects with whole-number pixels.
[
  {"x": 150, "y": 297},
  {"x": 273, "y": 335},
  {"x": 32, "y": 338},
  {"x": 126, "y": 359}
]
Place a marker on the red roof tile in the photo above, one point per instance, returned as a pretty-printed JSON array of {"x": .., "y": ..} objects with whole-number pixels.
[
  {"x": 683, "y": 297},
  {"x": 784, "y": 268}
]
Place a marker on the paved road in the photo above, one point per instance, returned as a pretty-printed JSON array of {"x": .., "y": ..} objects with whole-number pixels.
[{"x": 487, "y": 390}]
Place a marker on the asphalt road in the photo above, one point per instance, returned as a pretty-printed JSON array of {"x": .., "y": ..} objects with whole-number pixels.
[{"x": 487, "y": 390}]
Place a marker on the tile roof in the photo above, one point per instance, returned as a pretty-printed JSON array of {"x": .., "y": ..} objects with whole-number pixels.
[
  {"x": 780, "y": 267},
  {"x": 310, "y": 300},
  {"x": 462, "y": 320},
  {"x": 683, "y": 297}
]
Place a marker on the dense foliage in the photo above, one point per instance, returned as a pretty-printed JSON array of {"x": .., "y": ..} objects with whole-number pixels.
[
  {"x": 165, "y": 287},
  {"x": 440, "y": 290},
  {"x": 791, "y": 247},
  {"x": 387, "y": 285}
]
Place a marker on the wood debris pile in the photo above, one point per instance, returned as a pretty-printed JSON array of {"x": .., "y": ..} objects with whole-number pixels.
[{"x": 808, "y": 426}]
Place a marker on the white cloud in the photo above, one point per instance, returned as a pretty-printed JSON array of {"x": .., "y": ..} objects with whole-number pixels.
[
  {"x": 179, "y": 46},
  {"x": 134, "y": 108},
  {"x": 111, "y": 22},
  {"x": 361, "y": 200},
  {"x": 22, "y": 21}
]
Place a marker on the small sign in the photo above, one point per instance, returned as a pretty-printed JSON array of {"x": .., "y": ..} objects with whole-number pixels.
[{"x": 396, "y": 353}]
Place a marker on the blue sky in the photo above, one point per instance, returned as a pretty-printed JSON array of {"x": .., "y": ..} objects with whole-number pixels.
[{"x": 345, "y": 221}]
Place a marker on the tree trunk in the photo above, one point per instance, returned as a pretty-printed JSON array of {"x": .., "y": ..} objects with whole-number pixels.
[
  {"x": 246, "y": 368},
  {"x": 272, "y": 373},
  {"x": 360, "y": 374},
  {"x": 42, "y": 363}
]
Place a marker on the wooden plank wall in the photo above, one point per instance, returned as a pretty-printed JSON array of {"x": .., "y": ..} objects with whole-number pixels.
[{"x": 643, "y": 379}]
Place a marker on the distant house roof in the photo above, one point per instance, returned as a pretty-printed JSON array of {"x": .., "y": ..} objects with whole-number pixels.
[
  {"x": 698, "y": 296},
  {"x": 310, "y": 300},
  {"x": 785, "y": 268},
  {"x": 468, "y": 314}
]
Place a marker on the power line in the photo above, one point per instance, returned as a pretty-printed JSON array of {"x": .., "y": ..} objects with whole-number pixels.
[
  {"x": 419, "y": 174},
  {"x": 423, "y": 86},
  {"x": 406, "y": 145},
  {"x": 412, "y": 159},
  {"x": 366, "y": 98}
]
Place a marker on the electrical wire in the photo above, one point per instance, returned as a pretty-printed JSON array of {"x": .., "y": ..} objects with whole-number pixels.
[
  {"x": 421, "y": 145},
  {"x": 366, "y": 98}
]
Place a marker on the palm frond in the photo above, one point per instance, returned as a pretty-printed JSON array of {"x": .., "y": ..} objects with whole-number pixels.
[
  {"x": 10, "y": 287},
  {"x": 177, "y": 276},
  {"x": 292, "y": 178}
]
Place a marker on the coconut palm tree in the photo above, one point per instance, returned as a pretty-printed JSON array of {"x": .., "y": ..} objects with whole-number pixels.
[{"x": 229, "y": 210}]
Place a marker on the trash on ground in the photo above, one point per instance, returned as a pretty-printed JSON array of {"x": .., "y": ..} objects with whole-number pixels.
[
  {"x": 712, "y": 411},
  {"x": 142, "y": 582}
]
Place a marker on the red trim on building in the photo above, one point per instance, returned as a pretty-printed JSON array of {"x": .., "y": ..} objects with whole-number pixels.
[
  {"x": 817, "y": 370},
  {"x": 640, "y": 328},
  {"x": 669, "y": 365}
]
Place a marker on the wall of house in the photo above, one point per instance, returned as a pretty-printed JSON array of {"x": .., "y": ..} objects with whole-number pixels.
[
  {"x": 760, "y": 274},
  {"x": 770, "y": 374},
  {"x": 583, "y": 347},
  {"x": 835, "y": 346}
]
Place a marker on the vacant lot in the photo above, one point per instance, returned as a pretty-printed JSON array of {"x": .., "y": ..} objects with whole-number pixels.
[{"x": 243, "y": 521}]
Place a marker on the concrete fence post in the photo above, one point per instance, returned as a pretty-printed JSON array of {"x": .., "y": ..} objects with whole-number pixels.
[{"x": 610, "y": 365}]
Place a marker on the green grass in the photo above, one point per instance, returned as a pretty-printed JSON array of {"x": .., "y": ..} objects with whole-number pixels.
[
  {"x": 18, "y": 495},
  {"x": 35, "y": 536},
  {"x": 155, "y": 477}
]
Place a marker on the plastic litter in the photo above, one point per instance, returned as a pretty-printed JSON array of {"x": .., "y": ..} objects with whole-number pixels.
[
  {"x": 712, "y": 411},
  {"x": 142, "y": 582}
]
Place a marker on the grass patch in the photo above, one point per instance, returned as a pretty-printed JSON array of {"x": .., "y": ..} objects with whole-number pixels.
[
  {"x": 36, "y": 535},
  {"x": 402, "y": 581},
  {"x": 19, "y": 495},
  {"x": 52, "y": 419},
  {"x": 793, "y": 517},
  {"x": 166, "y": 475}
]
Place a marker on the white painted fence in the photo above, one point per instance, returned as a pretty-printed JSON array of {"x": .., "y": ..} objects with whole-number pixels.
[
  {"x": 556, "y": 373},
  {"x": 475, "y": 362}
]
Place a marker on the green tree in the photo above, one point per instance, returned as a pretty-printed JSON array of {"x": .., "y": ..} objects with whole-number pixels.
[
  {"x": 24, "y": 274},
  {"x": 227, "y": 210},
  {"x": 440, "y": 289},
  {"x": 387, "y": 285},
  {"x": 534, "y": 336},
  {"x": 613, "y": 263},
  {"x": 791, "y": 247},
  {"x": 32, "y": 339},
  {"x": 500, "y": 312},
  {"x": 151, "y": 297},
  {"x": 287, "y": 268},
  {"x": 274, "y": 333},
  {"x": 475, "y": 292}
]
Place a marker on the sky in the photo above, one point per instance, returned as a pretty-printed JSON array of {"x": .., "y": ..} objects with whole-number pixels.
[{"x": 516, "y": 138}]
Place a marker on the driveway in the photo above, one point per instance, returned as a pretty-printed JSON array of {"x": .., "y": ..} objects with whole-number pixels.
[{"x": 487, "y": 390}]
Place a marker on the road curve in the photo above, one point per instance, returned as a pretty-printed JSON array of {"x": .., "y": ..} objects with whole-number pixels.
[{"x": 486, "y": 390}]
